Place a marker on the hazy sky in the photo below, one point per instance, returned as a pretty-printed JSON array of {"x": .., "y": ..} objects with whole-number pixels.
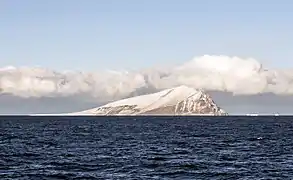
[{"x": 117, "y": 34}]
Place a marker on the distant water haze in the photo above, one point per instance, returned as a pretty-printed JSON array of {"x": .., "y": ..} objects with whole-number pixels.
[
  {"x": 266, "y": 103},
  {"x": 244, "y": 104},
  {"x": 17, "y": 105}
]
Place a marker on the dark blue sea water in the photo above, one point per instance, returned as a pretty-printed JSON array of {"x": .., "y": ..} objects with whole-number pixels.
[{"x": 146, "y": 148}]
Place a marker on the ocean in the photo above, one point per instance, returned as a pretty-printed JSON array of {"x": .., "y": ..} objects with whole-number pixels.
[{"x": 54, "y": 148}]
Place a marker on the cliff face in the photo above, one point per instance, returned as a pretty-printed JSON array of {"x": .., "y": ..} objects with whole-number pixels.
[
  {"x": 191, "y": 106},
  {"x": 181, "y": 100}
]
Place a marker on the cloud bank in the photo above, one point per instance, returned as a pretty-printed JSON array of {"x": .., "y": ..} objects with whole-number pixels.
[{"x": 218, "y": 73}]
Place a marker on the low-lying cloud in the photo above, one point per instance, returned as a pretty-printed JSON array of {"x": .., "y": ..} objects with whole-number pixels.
[{"x": 218, "y": 73}]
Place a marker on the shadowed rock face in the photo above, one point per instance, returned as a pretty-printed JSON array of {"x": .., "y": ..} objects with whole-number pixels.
[
  {"x": 177, "y": 101},
  {"x": 203, "y": 105},
  {"x": 190, "y": 106},
  {"x": 168, "y": 110},
  {"x": 125, "y": 109}
]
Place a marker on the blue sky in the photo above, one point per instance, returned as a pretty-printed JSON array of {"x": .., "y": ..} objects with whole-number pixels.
[{"x": 130, "y": 34}]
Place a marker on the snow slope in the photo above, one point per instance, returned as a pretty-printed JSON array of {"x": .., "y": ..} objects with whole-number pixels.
[{"x": 181, "y": 100}]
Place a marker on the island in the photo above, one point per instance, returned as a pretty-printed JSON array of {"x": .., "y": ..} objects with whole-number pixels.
[{"x": 181, "y": 100}]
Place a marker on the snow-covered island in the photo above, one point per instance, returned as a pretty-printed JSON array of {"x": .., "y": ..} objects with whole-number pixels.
[{"x": 180, "y": 100}]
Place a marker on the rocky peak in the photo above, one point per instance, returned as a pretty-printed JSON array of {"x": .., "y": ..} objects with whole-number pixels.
[{"x": 198, "y": 103}]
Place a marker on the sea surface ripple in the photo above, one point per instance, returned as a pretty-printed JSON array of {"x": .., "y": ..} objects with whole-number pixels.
[{"x": 146, "y": 148}]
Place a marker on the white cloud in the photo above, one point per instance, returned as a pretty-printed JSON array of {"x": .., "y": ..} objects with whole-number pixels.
[{"x": 223, "y": 73}]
